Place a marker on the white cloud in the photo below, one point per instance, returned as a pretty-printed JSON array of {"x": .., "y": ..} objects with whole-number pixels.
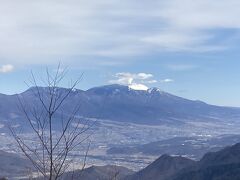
[
  {"x": 167, "y": 80},
  {"x": 37, "y": 32},
  {"x": 122, "y": 78},
  {"x": 135, "y": 81},
  {"x": 181, "y": 67},
  {"x": 6, "y": 68},
  {"x": 151, "y": 81},
  {"x": 143, "y": 76}
]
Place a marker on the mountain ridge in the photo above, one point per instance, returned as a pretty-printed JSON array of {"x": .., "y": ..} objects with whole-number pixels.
[
  {"x": 120, "y": 87},
  {"x": 120, "y": 103}
]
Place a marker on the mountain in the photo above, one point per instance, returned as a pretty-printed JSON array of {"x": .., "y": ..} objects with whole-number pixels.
[
  {"x": 163, "y": 168},
  {"x": 220, "y": 165},
  {"x": 123, "y": 104},
  {"x": 99, "y": 173}
]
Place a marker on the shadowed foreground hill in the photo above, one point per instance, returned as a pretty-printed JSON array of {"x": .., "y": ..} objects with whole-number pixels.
[
  {"x": 163, "y": 168},
  {"x": 99, "y": 173},
  {"x": 221, "y": 165}
]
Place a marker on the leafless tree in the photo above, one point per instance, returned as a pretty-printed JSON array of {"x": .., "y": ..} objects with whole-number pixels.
[{"x": 56, "y": 133}]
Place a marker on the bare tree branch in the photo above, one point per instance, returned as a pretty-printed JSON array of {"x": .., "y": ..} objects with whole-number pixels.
[{"x": 49, "y": 151}]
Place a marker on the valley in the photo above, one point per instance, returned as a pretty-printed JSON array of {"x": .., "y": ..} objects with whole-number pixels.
[
  {"x": 135, "y": 146},
  {"x": 168, "y": 125}
]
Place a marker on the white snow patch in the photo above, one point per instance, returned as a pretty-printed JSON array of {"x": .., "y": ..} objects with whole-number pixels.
[{"x": 138, "y": 87}]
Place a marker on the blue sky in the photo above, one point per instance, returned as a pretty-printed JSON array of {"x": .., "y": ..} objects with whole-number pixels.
[{"x": 188, "y": 48}]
